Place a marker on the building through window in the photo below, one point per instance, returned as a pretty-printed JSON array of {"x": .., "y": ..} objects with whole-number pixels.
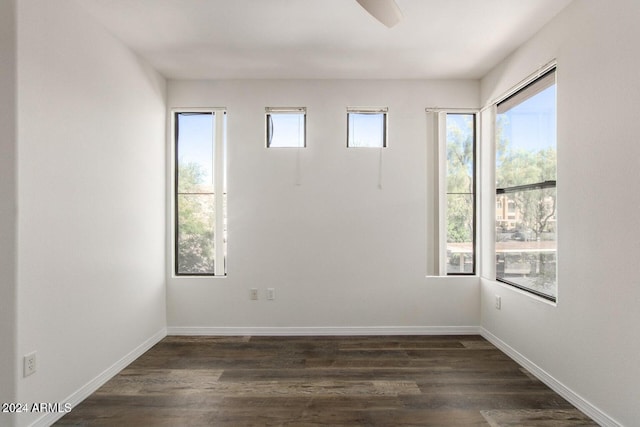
[{"x": 526, "y": 183}]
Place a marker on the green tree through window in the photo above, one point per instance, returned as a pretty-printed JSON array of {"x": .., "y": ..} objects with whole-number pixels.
[
  {"x": 200, "y": 195},
  {"x": 196, "y": 220},
  {"x": 460, "y": 147},
  {"x": 526, "y": 181}
]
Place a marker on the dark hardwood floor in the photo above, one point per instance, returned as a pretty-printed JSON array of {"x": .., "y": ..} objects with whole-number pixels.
[{"x": 329, "y": 381}]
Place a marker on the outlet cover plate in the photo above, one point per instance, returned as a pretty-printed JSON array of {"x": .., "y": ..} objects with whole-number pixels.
[{"x": 29, "y": 364}]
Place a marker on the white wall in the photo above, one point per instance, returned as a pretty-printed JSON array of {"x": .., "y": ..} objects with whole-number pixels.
[
  {"x": 7, "y": 206},
  {"x": 339, "y": 251},
  {"x": 91, "y": 197},
  {"x": 589, "y": 342}
]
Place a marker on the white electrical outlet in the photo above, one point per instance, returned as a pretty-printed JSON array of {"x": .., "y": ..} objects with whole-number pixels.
[
  {"x": 271, "y": 293},
  {"x": 29, "y": 364},
  {"x": 253, "y": 294},
  {"x": 498, "y": 302}
]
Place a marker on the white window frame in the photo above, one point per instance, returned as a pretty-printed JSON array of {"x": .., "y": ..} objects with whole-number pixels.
[
  {"x": 370, "y": 110},
  {"x": 437, "y": 181},
  {"x": 269, "y": 111},
  {"x": 490, "y": 270},
  {"x": 219, "y": 162}
]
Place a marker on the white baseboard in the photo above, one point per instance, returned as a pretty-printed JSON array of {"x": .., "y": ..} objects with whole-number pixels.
[
  {"x": 323, "y": 330},
  {"x": 575, "y": 399},
  {"x": 86, "y": 390}
]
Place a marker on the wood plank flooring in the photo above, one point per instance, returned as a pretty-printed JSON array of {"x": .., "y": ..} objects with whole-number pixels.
[{"x": 325, "y": 381}]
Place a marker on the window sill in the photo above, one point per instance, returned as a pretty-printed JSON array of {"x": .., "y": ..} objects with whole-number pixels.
[{"x": 522, "y": 292}]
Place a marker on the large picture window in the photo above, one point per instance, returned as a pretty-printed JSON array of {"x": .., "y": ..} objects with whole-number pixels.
[
  {"x": 526, "y": 208},
  {"x": 200, "y": 193}
]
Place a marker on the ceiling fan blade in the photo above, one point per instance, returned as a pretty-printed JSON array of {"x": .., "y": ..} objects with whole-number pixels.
[{"x": 385, "y": 11}]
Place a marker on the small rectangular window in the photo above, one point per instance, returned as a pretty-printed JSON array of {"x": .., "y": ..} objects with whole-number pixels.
[
  {"x": 526, "y": 182},
  {"x": 286, "y": 127},
  {"x": 200, "y": 193},
  {"x": 367, "y": 127}
]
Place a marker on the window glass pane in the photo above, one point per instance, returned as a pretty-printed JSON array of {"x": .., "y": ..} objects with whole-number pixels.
[
  {"x": 460, "y": 153},
  {"x": 526, "y": 244},
  {"x": 526, "y": 182},
  {"x": 526, "y": 141},
  {"x": 195, "y": 245},
  {"x": 194, "y": 151},
  {"x": 195, "y": 198},
  {"x": 460, "y": 175},
  {"x": 460, "y": 251},
  {"x": 285, "y": 130},
  {"x": 366, "y": 129}
]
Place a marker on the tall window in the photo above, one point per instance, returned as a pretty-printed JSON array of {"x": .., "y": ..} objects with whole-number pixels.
[
  {"x": 286, "y": 127},
  {"x": 367, "y": 127},
  {"x": 460, "y": 189},
  {"x": 526, "y": 184},
  {"x": 200, "y": 193},
  {"x": 451, "y": 244}
]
